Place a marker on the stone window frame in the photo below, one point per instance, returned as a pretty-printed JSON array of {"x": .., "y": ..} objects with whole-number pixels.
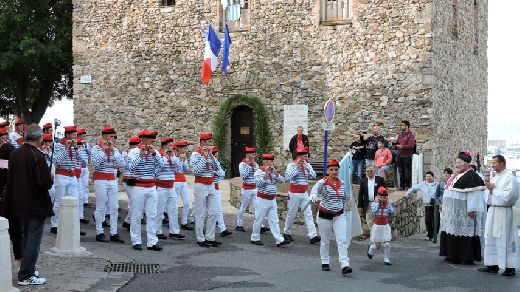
[
  {"x": 242, "y": 25},
  {"x": 455, "y": 16},
  {"x": 476, "y": 26},
  {"x": 167, "y": 3},
  {"x": 347, "y": 9}
]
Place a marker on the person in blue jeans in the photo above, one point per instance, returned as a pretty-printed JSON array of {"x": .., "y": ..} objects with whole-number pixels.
[{"x": 358, "y": 150}]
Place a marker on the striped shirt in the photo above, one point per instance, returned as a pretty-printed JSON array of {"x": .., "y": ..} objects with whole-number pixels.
[
  {"x": 85, "y": 151},
  {"x": 376, "y": 209},
  {"x": 219, "y": 174},
  {"x": 267, "y": 186},
  {"x": 203, "y": 166},
  {"x": 143, "y": 167},
  {"x": 124, "y": 157},
  {"x": 333, "y": 195},
  {"x": 167, "y": 171},
  {"x": 68, "y": 159},
  {"x": 247, "y": 172},
  {"x": 14, "y": 137},
  {"x": 296, "y": 175},
  {"x": 106, "y": 163},
  {"x": 180, "y": 166}
]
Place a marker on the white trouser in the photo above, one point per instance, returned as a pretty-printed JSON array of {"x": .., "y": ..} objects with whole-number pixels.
[
  {"x": 218, "y": 211},
  {"x": 181, "y": 188},
  {"x": 267, "y": 208},
  {"x": 248, "y": 198},
  {"x": 106, "y": 193},
  {"x": 299, "y": 201},
  {"x": 64, "y": 186},
  {"x": 85, "y": 176},
  {"x": 204, "y": 199},
  {"x": 128, "y": 189},
  {"x": 143, "y": 200},
  {"x": 167, "y": 199},
  {"x": 339, "y": 226}
]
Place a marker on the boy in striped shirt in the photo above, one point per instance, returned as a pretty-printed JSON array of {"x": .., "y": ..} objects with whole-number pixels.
[
  {"x": 247, "y": 169},
  {"x": 181, "y": 186}
]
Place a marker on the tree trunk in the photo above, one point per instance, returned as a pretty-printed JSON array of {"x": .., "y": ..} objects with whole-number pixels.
[{"x": 40, "y": 104}]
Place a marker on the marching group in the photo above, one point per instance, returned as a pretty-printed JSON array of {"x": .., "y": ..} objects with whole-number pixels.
[{"x": 154, "y": 181}]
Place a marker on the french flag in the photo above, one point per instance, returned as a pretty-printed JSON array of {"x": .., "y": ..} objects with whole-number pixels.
[{"x": 211, "y": 52}]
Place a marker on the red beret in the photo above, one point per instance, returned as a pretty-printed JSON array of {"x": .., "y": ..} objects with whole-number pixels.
[
  {"x": 205, "y": 136},
  {"x": 70, "y": 129},
  {"x": 47, "y": 126},
  {"x": 181, "y": 143},
  {"x": 333, "y": 162},
  {"x": 148, "y": 134},
  {"x": 214, "y": 149},
  {"x": 302, "y": 150},
  {"x": 4, "y": 124},
  {"x": 19, "y": 121},
  {"x": 3, "y": 131},
  {"x": 382, "y": 191},
  {"x": 47, "y": 137},
  {"x": 134, "y": 140},
  {"x": 268, "y": 156},
  {"x": 107, "y": 130},
  {"x": 82, "y": 131},
  {"x": 250, "y": 150},
  {"x": 166, "y": 140}
]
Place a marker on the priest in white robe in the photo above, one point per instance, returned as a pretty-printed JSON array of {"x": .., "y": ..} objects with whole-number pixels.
[
  {"x": 461, "y": 203},
  {"x": 501, "y": 249}
]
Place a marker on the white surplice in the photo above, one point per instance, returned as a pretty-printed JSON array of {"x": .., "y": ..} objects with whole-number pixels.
[{"x": 502, "y": 242}]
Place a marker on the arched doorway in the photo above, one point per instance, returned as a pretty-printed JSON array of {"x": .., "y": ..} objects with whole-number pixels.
[{"x": 242, "y": 135}]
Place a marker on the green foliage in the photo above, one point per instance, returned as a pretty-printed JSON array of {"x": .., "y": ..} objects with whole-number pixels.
[
  {"x": 35, "y": 55},
  {"x": 263, "y": 138}
]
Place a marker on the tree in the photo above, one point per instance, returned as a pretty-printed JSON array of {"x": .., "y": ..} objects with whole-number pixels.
[{"x": 35, "y": 56}]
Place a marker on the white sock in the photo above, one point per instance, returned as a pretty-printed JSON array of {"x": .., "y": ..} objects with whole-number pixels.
[
  {"x": 372, "y": 249},
  {"x": 386, "y": 249}
]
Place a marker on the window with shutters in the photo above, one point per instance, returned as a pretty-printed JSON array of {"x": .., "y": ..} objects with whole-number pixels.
[
  {"x": 335, "y": 11},
  {"x": 236, "y": 14},
  {"x": 167, "y": 2}
]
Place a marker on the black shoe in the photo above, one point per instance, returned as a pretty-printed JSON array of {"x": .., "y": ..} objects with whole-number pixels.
[
  {"x": 101, "y": 237},
  {"x": 240, "y": 228},
  {"x": 165, "y": 221},
  {"x": 202, "y": 244},
  {"x": 288, "y": 237},
  {"x": 509, "y": 272},
  {"x": 315, "y": 239},
  {"x": 213, "y": 243},
  {"x": 176, "y": 236},
  {"x": 284, "y": 242},
  {"x": 257, "y": 242},
  {"x": 186, "y": 227},
  {"x": 82, "y": 233},
  {"x": 325, "y": 267},
  {"x": 105, "y": 224},
  {"x": 368, "y": 254},
  {"x": 161, "y": 236},
  {"x": 126, "y": 226},
  {"x": 84, "y": 221},
  {"x": 346, "y": 270},
  {"x": 116, "y": 238},
  {"x": 489, "y": 269},
  {"x": 154, "y": 248},
  {"x": 225, "y": 233},
  {"x": 54, "y": 230},
  {"x": 264, "y": 230},
  {"x": 137, "y": 247}
]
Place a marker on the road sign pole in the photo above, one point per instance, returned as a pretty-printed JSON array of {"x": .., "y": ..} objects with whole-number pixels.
[{"x": 325, "y": 146}]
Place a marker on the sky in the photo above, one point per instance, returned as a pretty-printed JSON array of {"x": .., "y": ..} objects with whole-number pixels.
[{"x": 504, "y": 63}]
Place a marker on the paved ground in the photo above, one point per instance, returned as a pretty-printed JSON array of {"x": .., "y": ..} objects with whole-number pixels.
[{"x": 239, "y": 266}]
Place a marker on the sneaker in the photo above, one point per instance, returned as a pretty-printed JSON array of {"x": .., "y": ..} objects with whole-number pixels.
[
  {"x": 101, "y": 237},
  {"x": 126, "y": 226},
  {"x": 186, "y": 227},
  {"x": 161, "y": 236},
  {"x": 368, "y": 254},
  {"x": 284, "y": 242},
  {"x": 116, "y": 238},
  {"x": 137, "y": 247},
  {"x": 240, "y": 228},
  {"x": 264, "y": 230},
  {"x": 32, "y": 280},
  {"x": 257, "y": 242},
  {"x": 288, "y": 237},
  {"x": 213, "y": 243},
  {"x": 427, "y": 238},
  {"x": 154, "y": 248},
  {"x": 176, "y": 236},
  {"x": 387, "y": 262},
  {"x": 54, "y": 230},
  {"x": 315, "y": 239},
  {"x": 36, "y": 273},
  {"x": 346, "y": 270},
  {"x": 325, "y": 267},
  {"x": 225, "y": 233}
]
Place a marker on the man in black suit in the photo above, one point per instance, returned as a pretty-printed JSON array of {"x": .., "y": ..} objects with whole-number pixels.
[{"x": 367, "y": 193}]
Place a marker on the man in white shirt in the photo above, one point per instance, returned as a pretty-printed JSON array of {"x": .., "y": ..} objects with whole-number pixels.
[{"x": 428, "y": 189}]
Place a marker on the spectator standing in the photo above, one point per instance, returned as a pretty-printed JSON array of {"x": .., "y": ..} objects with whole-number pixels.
[
  {"x": 299, "y": 140},
  {"x": 428, "y": 189},
  {"x": 393, "y": 150},
  {"x": 405, "y": 150},
  {"x": 371, "y": 144},
  {"x": 383, "y": 159},
  {"x": 27, "y": 197},
  {"x": 358, "y": 150}
]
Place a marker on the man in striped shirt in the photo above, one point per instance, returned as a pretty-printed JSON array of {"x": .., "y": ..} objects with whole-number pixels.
[
  {"x": 105, "y": 158},
  {"x": 133, "y": 142},
  {"x": 47, "y": 128},
  {"x": 204, "y": 167},
  {"x": 167, "y": 197},
  {"x": 298, "y": 174},
  {"x": 247, "y": 169},
  {"x": 181, "y": 186},
  {"x": 16, "y": 137},
  {"x": 68, "y": 161},
  {"x": 86, "y": 151},
  {"x": 266, "y": 179},
  {"x": 219, "y": 175},
  {"x": 144, "y": 163}
]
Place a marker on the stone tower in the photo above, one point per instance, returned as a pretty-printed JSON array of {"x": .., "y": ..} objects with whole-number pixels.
[{"x": 381, "y": 60}]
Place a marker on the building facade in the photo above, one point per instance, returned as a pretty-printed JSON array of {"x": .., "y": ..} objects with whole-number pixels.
[{"x": 138, "y": 63}]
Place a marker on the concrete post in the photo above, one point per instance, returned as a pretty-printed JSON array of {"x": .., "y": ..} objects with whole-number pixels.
[
  {"x": 6, "y": 276},
  {"x": 67, "y": 240}
]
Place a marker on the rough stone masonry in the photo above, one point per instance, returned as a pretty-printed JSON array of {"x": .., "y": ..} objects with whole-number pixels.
[{"x": 420, "y": 60}]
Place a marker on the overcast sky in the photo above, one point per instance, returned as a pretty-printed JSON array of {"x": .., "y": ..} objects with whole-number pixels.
[{"x": 504, "y": 77}]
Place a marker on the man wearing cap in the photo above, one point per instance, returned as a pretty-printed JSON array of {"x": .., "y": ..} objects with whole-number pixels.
[
  {"x": 219, "y": 175},
  {"x": 204, "y": 167},
  {"x": 181, "y": 186},
  {"x": 68, "y": 161},
  {"x": 16, "y": 137},
  {"x": 105, "y": 158},
  {"x": 133, "y": 142},
  {"x": 144, "y": 162},
  {"x": 266, "y": 179},
  {"x": 47, "y": 128},
  {"x": 298, "y": 174},
  {"x": 247, "y": 169},
  {"x": 167, "y": 197}
]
